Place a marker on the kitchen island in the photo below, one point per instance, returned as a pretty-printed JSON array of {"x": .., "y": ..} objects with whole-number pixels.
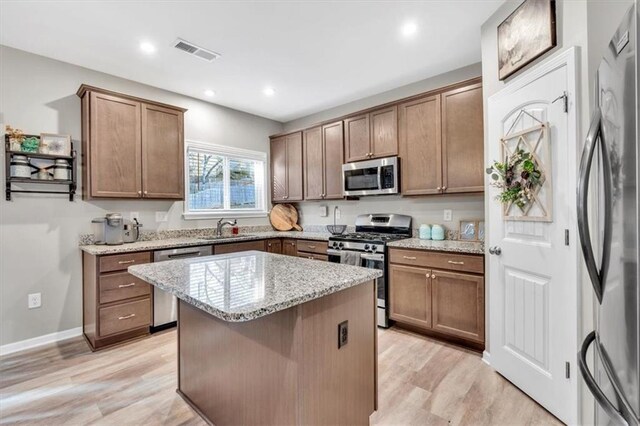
[{"x": 270, "y": 339}]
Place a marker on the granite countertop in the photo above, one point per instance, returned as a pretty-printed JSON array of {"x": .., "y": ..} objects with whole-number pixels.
[
  {"x": 248, "y": 285},
  {"x": 470, "y": 247},
  {"x": 98, "y": 250}
]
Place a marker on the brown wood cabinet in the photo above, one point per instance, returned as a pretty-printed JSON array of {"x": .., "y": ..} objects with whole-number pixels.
[
  {"x": 274, "y": 246},
  {"x": 132, "y": 147},
  {"x": 372, "y": 135},
  {"x": 289, "y": 247},
  {"x": 286, "y": 168},
  {"x": 258, "y": 245},
  {"x": 441, "y": 142},
  {"x": 116, "y": 305},
  {"x": 447, "y": 302},
  {"x": 322, "y": 161}
]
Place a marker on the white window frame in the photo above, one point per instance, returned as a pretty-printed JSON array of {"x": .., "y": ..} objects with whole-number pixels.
[{"x": 230, "y": 153}]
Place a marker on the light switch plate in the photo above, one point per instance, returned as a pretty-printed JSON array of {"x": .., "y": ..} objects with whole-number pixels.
[
  {"x": 34, "y": 300},
  {"x": 448, "y": 214},
  {"x": 162, "y": 216}
]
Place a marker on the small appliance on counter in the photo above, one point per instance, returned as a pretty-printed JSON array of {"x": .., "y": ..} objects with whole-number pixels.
[
  {"x": 109, "y": 229},
  {"x": 131, "y": 231}
]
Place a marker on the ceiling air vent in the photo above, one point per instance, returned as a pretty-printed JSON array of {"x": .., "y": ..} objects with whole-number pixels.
[{"x": 198, "y": 51}]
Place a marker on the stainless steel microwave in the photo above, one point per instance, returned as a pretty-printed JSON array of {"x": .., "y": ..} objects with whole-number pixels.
[{"x": 371, "y": 177}]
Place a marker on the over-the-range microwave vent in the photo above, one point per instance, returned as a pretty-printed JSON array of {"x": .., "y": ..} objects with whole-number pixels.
[{"x": 192, "y": 49}]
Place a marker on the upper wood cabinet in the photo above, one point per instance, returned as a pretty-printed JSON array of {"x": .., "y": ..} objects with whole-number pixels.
[
  {"x": 462, "y": 140},
  {"x": 322, "y": 161},
  {"x": 372, "y": 135},
  {"x": 420, "y": 146},
  {"x": 132, "y": 148},
  {"x": 442, "y": 142},
  {"x": 286, "y": 168}
]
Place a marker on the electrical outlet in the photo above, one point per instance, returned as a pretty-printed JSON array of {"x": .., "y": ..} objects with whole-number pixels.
[
  {"x": 34, "y": 300},
  {"x": 338, "y": 214},
  {"x": 134, "y": 216},
  {"x": 448, "y": 214},
  {"x": 343, "y": 333},
  {"x": 323, "y": 210},
  {"x": 162, "y": 216}
]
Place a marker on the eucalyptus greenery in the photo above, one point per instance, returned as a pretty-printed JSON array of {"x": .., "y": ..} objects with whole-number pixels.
[{"x": 518, "y": 177}]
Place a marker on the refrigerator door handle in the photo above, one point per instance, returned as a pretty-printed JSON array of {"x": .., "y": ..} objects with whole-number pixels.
[
  {"x": 595, "y": 131},
  {"x": 591, "y": 383}
]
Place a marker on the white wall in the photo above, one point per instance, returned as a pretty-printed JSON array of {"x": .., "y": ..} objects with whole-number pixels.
[
  {"x": 38, "y": 233},
  {"x": 427, "y": 209}
]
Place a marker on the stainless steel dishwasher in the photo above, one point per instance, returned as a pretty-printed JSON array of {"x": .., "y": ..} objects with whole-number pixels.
[{"x": 165, "y": 305}]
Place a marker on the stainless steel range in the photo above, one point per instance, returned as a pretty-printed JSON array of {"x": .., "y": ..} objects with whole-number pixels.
[{"x": 367, "y": 247}]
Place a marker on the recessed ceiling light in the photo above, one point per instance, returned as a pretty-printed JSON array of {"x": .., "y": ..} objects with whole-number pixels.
[
  {"x": 147, "y": 47},
  {"x": 269, "y": 91},
  {"x": 409, "y": 29},
  {"x": 209, "y": 93}
]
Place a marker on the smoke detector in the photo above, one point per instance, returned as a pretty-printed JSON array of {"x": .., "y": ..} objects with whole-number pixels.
[{"x": 192, "y": 49}]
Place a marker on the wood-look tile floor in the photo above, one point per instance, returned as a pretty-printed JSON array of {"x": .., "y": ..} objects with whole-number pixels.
[{"x": 421, "y": 382}]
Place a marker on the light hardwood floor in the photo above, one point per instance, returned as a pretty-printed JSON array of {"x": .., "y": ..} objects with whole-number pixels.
[{"x": 421, "y": 382}]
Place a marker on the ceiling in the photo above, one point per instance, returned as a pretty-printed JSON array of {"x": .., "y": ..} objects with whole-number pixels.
[{"x": 315, "y": 54}]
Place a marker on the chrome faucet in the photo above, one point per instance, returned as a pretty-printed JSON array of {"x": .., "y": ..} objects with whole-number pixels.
[{"x": 222, "y": 223}]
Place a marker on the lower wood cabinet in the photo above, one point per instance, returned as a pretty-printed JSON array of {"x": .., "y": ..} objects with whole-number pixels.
[
  {"x": 289, "y": 247},
  {"x": 310, "y": 249},
  {"x": 274, "y": 246},
  {"x": 116, "y": 305},
  {"x": 238, "y": 247},
  {"x": 446, "y": 302}
]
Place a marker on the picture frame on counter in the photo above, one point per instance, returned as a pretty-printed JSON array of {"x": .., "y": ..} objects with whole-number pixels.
[
  {"x": 471, "y": 230},
  {"x": 55, "y": 144}
]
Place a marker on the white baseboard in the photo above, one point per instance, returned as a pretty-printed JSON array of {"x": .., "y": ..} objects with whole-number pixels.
[
  {"x": 486, "y": 357},
  {"x": 39, "y": 341}
]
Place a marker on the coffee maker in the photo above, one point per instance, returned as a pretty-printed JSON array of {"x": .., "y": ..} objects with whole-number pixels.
[{"x": 108, "y": 230}]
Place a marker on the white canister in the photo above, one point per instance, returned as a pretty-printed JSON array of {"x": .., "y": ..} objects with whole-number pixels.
[
  {"x": 20, "y": 167},
  {"x": 425, "y": 232},
  {"x": 61, "y": 170}
]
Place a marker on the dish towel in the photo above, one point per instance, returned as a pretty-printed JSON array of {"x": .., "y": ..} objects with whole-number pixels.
[{"x": 350, "y": 258}]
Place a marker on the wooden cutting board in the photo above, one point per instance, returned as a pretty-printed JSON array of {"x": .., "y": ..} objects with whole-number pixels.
[{"x": 284, "y": 217}]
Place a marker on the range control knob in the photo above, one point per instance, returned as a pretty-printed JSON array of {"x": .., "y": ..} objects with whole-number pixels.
[
  {"x": 374, "y": 247},
  {"x": 340, "y": 245},
  {"x": 366, "y": 247}
]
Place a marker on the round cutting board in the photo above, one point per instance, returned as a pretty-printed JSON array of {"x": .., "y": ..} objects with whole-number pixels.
[{"x": 284, "y": 217}]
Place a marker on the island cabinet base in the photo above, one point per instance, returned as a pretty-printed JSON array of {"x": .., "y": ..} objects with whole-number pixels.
[{"x": 284, "y": 368}]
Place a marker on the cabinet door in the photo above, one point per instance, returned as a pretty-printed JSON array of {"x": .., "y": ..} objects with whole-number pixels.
[
  {"x": 115, "y": 148},
  {"x": 410, "y": 295},
  {"x": 356, "y": 138},
  {"x": 420, "y": 146},
  {"x": 463, "y": 140},
  {"x": 289, "y": 247},
  {"x": 333, "y": 139},
  {"x": 384, "y": 132},
  {"x": 458, "y": 304},
  {"x": 313, "y": 162},
  {"x": 294, "y": 167},
  {"x": 279, "y": 169},
  {"x": 274, "y": 246},
  {"x": 162, "y": 153}
]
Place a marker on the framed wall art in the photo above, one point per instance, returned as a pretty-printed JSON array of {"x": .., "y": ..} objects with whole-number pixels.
[
  {"x": 526, "y": 34},
  {"x": 55, "y": 144}
]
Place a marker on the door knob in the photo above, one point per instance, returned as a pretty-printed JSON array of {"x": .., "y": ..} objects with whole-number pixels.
[{"x": 497, "y": 251}]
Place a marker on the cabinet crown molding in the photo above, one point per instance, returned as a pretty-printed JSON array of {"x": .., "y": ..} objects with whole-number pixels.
[{"x": 84, "y": 88}]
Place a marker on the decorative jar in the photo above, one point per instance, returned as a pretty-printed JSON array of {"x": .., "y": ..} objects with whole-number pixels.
[
  {"x": 425, "y": 232},
  {"x": 61, "y": 170},
  {"x": 20, "y": 167},
  {"x": 437, "y": 232}
]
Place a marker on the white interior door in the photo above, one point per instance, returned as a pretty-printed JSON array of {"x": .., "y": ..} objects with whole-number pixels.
[{"x": 533, "y": 297}]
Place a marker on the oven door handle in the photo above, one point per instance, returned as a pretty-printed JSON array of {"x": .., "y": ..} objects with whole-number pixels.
[
  {"x": 372, "y": 256},
  {"x": 334, "y": 252}
]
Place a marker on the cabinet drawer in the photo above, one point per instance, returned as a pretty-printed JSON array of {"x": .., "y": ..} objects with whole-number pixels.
[
  {"x": 451, "y": 261},
  {"x": 238, "y": 247},
  {"x": 125, "y": 316},
  {"x": 120, "y": 262},
  {"x": 120, "y": 286},
  {"x": 308, "y": 246},
  {"x": 313, "y": 256}
]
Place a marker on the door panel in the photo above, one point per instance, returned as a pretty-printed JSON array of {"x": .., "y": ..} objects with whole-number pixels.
[
  {"x": 279, "y": 169},
  {"x": 533, "y": 304},
  {"x": 410, "y": 295},
  {"x": 313, "y": 164},
  {"x": 458, "y": 304},
  {"x": 294, "y": 167},
  {"x": 289, "y": 247},
  {"x": 356, "y": 138},
  {"x": 274, "y": 246},
  {"x": 420, "y": 146},
  {"x": 162, "y": 153},
  {"x": 116, "y": 148},
  {"x": 384, "y": 132},
  {"x": 463, "y": 140},
  {"x": 333, "y": 139}
]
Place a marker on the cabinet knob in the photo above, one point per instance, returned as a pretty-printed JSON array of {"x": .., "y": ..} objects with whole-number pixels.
[
  {"x": 444, "y": 188},
  {"x": 145, "y": 192},
  {"x": 139, "y": 192},
  {"x": 433, "y": 275},
  {"x": 439, "y": 188}
]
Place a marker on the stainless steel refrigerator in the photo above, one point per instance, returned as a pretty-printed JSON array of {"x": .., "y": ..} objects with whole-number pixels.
[{"x": 610, "y": 242}]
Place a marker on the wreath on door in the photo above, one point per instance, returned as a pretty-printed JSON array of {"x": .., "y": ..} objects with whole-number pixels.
[{"x": 519, "y": 178}]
